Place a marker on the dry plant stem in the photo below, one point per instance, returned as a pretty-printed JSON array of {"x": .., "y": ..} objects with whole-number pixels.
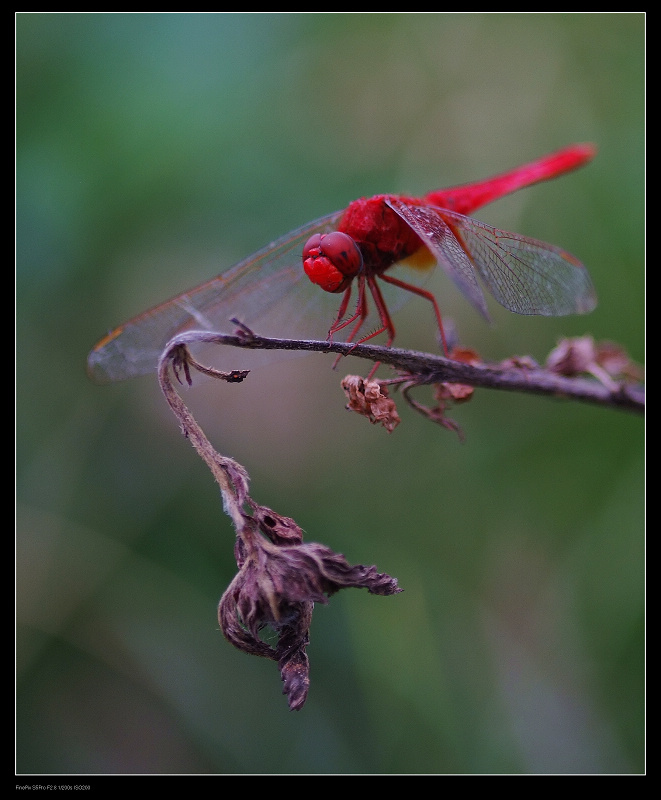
[
  {"x": 226, "y": 471},
  {"x": 424, "y": 368},
  {"x": 280, "y": 577}
]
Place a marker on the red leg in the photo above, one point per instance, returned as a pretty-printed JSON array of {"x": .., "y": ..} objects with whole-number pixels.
[
  {"x": 338, "y": 324},
  {"x": 360, "y": 315},
  {"x": 362, "y": 311},
  {"x": 428, "y": 296},
  {"x": 385, "y": 318},
  {"x": 384, "y": 314}
]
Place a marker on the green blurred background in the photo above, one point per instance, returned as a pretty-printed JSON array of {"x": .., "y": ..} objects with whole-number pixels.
[{"x": 155, "y": 150}]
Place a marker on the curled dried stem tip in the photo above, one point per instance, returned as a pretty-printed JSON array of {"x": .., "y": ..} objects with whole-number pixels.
[{"x": 279, "y": 576}]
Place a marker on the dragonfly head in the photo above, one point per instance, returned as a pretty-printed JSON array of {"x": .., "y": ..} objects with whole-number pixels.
[{"x": 332, "y": 260}]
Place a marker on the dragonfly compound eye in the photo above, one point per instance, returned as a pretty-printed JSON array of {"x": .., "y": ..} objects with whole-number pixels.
[
  {"x": 331, "y": 261},
  {"x": 312, "y": 246},
  {"x": 343, "y": 253}
]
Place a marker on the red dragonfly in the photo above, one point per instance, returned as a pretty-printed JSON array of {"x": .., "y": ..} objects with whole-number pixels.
[{"x": 359, "y": 247}]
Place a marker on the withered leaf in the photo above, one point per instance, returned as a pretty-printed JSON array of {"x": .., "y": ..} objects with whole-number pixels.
[{"x": 276, "y": 587}]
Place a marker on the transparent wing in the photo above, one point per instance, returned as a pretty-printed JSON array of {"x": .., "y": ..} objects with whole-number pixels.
[
  {"x": 254, "y": 291},
  {"x": 524, "y": 275}
]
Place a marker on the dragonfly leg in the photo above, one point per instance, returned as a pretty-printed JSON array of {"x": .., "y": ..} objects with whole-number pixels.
[
  {"x": 428, "y": 296},
  {"x": 339, "y": 324},
  {"x": 358, "y": 317},
  {"x": 361, "y": 313}
]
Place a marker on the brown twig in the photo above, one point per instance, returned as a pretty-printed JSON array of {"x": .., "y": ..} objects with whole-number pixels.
[{"x": 422, "y": 369}]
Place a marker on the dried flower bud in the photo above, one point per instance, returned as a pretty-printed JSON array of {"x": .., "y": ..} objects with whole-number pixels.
[
  {"x": 370, "y": 399},
  {"x": 279, "y": 580},
  {"x": 572, "y": 356},
  {"x": 605, "y": 360},
  {"x": 448, "y": 393}
]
